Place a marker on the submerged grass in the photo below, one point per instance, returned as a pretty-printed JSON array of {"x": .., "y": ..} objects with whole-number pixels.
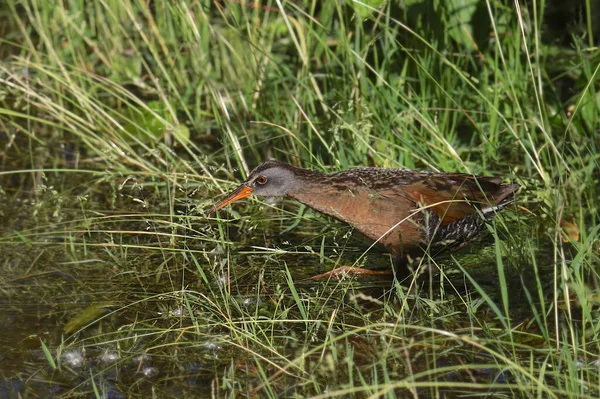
[{"x": 122, "y": 121}]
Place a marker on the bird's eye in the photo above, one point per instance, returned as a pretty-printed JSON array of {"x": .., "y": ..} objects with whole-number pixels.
[{"x": 261, "y": 180}]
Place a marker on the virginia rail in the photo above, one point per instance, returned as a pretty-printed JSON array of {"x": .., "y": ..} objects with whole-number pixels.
[{"x": 405, "y": 210}]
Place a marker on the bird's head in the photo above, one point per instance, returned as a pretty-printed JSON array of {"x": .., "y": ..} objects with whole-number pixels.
[{"x": 269, "y": 179}]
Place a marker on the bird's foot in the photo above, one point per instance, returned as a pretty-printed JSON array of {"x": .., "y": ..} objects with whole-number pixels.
[{"x": 349, "y": 271}]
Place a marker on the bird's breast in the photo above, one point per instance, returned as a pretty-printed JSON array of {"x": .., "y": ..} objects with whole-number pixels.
[{"x": 383, "y": 216}]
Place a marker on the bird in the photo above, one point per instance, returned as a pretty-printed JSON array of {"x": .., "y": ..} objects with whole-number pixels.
[{"x": 406, "y": 211}]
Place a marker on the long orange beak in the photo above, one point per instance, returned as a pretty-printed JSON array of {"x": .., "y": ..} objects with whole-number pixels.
[{"x": 242, "y": 191}]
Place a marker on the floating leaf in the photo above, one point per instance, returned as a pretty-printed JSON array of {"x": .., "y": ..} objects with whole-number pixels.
[{"x": 87, "y": 316}]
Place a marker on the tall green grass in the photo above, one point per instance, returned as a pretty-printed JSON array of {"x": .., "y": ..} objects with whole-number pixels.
[{"x": 122, "y": 121}]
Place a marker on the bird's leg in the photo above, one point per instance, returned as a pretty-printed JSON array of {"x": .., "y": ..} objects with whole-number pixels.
[{"x": 399, "y": 260}]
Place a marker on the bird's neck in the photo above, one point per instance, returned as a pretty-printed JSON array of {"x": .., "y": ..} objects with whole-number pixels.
[{"x": 317, "y": 193}]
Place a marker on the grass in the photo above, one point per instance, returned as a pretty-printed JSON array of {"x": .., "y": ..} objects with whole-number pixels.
[{"x": 121, "y": 122}]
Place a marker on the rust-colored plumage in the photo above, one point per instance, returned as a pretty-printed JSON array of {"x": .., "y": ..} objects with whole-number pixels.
[{"x": 404, "y": 210}]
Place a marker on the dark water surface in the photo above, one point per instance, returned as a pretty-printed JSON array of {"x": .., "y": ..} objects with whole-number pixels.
[{"x": 131, "y": 301}]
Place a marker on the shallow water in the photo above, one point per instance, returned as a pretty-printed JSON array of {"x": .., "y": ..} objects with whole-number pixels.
[{"x": 130, "y": 301}]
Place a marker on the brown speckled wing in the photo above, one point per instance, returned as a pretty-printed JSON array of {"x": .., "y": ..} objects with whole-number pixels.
[{"x": 456, "y": 196}]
